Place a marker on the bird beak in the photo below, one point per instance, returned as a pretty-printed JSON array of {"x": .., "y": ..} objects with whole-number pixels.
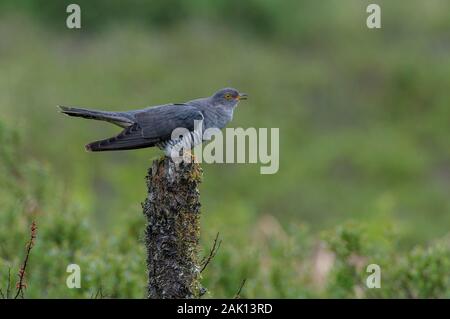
[{"x": 242, "y": 96}]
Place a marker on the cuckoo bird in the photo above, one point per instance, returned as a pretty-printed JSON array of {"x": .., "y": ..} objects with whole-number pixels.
[{"x": 153, "y": 126}]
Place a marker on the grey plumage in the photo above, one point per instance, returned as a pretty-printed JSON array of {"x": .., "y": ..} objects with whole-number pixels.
[
  {"x": 119, "y": 118},
  {"x": 153, "y": 126}
]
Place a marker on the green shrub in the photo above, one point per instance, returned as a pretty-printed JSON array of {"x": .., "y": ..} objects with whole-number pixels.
[
  {"x": 419, "y": 273},
  {"x": 275, "y": 260},
  {"x": 113, "y": 263}
]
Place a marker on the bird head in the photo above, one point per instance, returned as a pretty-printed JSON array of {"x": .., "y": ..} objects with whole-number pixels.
[{"x": 228, "y": 97}]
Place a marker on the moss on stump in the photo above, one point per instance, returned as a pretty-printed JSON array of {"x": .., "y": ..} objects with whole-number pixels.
[{"x": 172, "y": 209}]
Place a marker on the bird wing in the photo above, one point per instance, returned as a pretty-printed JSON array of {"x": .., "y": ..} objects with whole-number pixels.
[
  {"x": 159, "y": 122},
  {"x": 129, "y": 138},
  {"x": 152, "y": 125}
]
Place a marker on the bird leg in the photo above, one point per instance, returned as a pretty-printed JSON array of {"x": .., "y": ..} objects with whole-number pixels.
[{"x": 189, "y": 157}]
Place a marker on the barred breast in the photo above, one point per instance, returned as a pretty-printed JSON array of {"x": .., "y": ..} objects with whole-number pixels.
[{"x": 187, "y": 142}]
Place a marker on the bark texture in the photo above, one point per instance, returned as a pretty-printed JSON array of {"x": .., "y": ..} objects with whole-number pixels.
[{"x": 172, "y": 209}]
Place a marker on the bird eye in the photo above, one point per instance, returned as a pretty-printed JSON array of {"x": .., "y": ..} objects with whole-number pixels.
[{"x": 228, "y": 96}]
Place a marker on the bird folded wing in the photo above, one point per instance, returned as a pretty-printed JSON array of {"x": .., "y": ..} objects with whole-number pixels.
[{"x": 158, "y": 123}]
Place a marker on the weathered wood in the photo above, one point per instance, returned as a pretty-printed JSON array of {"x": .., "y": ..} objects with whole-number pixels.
[{"x": 172, "y": 209}]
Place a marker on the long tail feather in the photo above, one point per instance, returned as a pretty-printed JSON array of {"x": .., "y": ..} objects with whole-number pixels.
[{"x": 117, "y": 118}]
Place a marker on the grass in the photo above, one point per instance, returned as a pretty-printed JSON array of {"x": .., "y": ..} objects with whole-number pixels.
[{"x": 363, "y": 120}]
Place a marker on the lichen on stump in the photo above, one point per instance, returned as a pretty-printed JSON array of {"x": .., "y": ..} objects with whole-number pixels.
[{"x": 172, "y": 209}]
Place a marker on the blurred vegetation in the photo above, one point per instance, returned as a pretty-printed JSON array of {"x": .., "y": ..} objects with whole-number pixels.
[
  {"x": 276, "y": 261},
  {"x": 363, "y": 117}
]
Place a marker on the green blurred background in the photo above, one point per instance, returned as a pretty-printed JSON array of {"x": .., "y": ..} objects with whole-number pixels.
[{"x": 364, "y": 142}]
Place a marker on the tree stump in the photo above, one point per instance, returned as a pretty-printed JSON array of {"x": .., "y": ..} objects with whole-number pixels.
[{"x": 172, "y": 209}]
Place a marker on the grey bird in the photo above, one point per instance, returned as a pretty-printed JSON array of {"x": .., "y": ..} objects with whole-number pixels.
[{"x": 153, "y": 126}]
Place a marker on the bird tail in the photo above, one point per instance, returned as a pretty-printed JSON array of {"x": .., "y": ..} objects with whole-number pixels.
[
  {"x": 117, "y": 118},
  {"x": 129, "y": 138}
]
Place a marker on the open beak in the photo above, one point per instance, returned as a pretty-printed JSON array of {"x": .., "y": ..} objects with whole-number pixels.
[{"x": 242, "y": 96}]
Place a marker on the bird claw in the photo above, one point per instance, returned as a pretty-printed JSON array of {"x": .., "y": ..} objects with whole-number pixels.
[{"x": 189, "y": 157}]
